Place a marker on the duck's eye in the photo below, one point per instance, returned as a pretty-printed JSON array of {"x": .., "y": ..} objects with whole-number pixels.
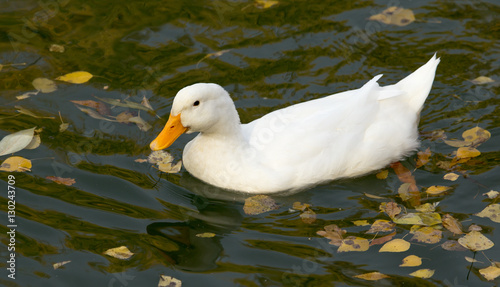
[{"x": 196, "y": 103}]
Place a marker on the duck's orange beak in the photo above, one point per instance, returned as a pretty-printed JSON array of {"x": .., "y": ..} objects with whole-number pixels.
[{"x": 172, "y": 130}]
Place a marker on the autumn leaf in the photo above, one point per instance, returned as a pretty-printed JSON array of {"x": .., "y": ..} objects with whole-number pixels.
[
  {"x": 382, "y": 174},
  {"x": 426, "y": 234},
  {"x": 423, "y": 157},
  {"x": 467, "y": 152},
  {"x": 383, "y": 239},
  {"x": 426, "y": 207},
  {"x": 259, "y": 204},
  {"x": 394, "y": 16},
  {"x": 481, "y": 80},
  {"x": 334, "y": 233},
  {"x": 490, "y": 273},
  {"x": 452, "y": 224},
  {"x": 423, "y": 273},
  {"x": 475, "y": 241},
  {"x": 391, "y": 208},
  {"x": 44, "y": 85},
  {"x": 491, "y": 194},
  {"x": 125, "y": 103},
  {"x": 167, "y": 281},
  {"x": 265, "y": 4},
  {"x": 492, "y": 212},
  {"x": 17, "y": 141},
  {"x": 79, "y": 77},
  {"x": 373, "y": 196},
  {"x": 308, "y": 216},
  {"x": 411, "y": 261},
  {"x": 300, "y": 206},
  {"x": 409, "y": 218},
  {"x": 35, "y": 142},
  {"x": 452, "y": 245},
  {"x": 169, "y": 167},
  {"x": 124, "y": 117},
  {"x": 381, "y": 225},
  {"x": 100, "y": 107},
  {"x": 216, "y": 54},
  {"x": 141, "y": 124},
  {"x": 437, "y": 189},
  {"x": 472, "y": 137},
  {"x": 30, "y": 113},
  {"x": 145, "y": 102},
  {"x": 56, "y": 48},
  {"x": 61, "y": 180},
  {"x": 205, "y": 235},
  {"x": 361, "y": 222},
  {"x": 451, "y": 176},
  {"x": 60, "y": 264},
  {"x": 395, "y": 245},
  {"x": 16, "y": 163},
  {"x": 372, "y": 276},
  {"x": 353, "y": 243},
  {"x": 121, "y": 252}
]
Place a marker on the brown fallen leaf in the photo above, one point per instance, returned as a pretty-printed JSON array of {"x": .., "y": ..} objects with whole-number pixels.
[
  {"x": 259, "y": 204},
  {"x": 423, "y": 157},
  {"x": 383, "y": 239},
  {"x": 426, "y": 234},
  {"x": 308, "y": 216},
  {"x": 100, "y": 107},
  {"x": 334, "y": 233},
  {"x": 381, "y": 225},
  {"x": 372, "y": 276},
  {"x": 452, "y": 224},
  {"x": 452, "y": 245},
  {"x": 124, "y": 117},
  {"x": 467, "y": 152},
  {"x": 61, "y": 180},
  {"x": 94, "y": 114},
  {"x": 391, "y": 208}
]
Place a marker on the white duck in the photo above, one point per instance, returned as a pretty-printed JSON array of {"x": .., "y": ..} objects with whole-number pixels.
[{"x": 343, "y": 135}]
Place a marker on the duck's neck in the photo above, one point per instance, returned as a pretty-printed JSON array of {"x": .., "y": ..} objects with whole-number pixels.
[{"x": 228, "y": 126}]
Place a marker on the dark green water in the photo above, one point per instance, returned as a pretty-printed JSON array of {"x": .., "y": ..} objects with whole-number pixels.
[{"x": 277, "y": 56}]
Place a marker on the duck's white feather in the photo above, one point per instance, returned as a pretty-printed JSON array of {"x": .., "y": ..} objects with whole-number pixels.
[{"x": 343, "y": 135}]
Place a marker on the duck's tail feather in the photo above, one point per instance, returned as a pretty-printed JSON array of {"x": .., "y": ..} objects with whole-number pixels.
[{"x": 418, "y": 84}]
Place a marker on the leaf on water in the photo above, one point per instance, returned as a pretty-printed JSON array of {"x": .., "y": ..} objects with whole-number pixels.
[
  {"x": 169, "y": 168},
  {"x": 457, "y": 143},
  {"x": 423, "y": 157},
  {"x": 475, "y": 241},
  {"x": 16, "y": 163},
  {"x": 374, "y": 196},
  {"x": 430, "y": 218},
  {"x": 474, "y": 227},
  {"x": 121, "y": 252},
  {"x": 451, "y": 176},
  {"x": 467, "y": 152},
  {"x": 372, "y": 276},
  {"x": 56, "y": 48},
  {"x": 391, "y": 208},
  {"x": 409, "y": 218},
  {"x": 404, "y": 191},
  {"x": 492, "y": 212},
  {"x": 259, "y": 204},
  {"x": 308, "y": 216},
  {"x": 381, "y": 225},
  {"x": 334, "y": 233},
  {"x": 361, "y": 222},
  {"x": 394, "y": 16},
  {"x": 167, "y": 281},
  {"x": 411, "y": 261},
  {"x": 35, "y": 142},
  {"x": 452, "y": 245},
  {"x": 353, "y": 243},
  {"x": 481, "y": 80},
  {"x": 423, "y": 273},
  {"x": 141, "y": 160},
  {"x": 125, "y": 103},
  {"x": 452, "y": 224},
  {"x": 427, "y": 207},
  {"x": 205, "y": 235},
  {"x": 383, "y": 239},
  {"x": 124, "y": 117},
  {"x": 79, "y": 77},
  {"x": 141, "y": 124},
  {"x": 160, "y": 156},
  {"x": 17, "y": 141},
  {"x": 426, "y": 234},
  {"x": 27, "y": 95},
  {"x": 300, "y": 206},
  {"x": 63, "y": 127},
  {"x": 472, "y": 260},
  {"x": 216, "y": 54},
  {"x": 62, "y": 180},
  {"x": 491, "y": 194},
  {"x": 44, "y": 85},
  {"x": 94, "y": 114},
  {"x": 100, "y": 107},
  {"x": 490, "y": 273},
  {"x": 30, "y": 113},
  {"x": 476, "y": 136},
  {"x": 395, "y": 245},
  {"x": 265, "y": 4},
  {"x": 382, "y": 174},
  {"x": 437, "y": 189},
  {"x": 145, "y": 102},
  {"x": 60, "y": 264}
]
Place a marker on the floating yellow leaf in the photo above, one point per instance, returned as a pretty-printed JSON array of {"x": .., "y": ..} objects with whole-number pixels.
[
  {"x": 264, "y": 4},
  {"x": 169, "y": 167},
  {"x": 437, "y": 189},
  {"x": 60, "y": 264},
  {"x": 300, "y": 206},
  {"x": 491, "y": 211},
  {"x": 426, "y": 207},
  {"x": 492, "y": 194},
  {"x": 361, "y": 222},
  {"x": 475, "y": 241},
  {"x": 423, "y": 157},
  {"x": 490, "y": 273},
  {"x": 374, "y": 196},
  {"x": 372, "y": 276},
  {"x": 121, "y": 252},
  {"x": 167, "y": 281},
  {"x": 205, "y": 235},
  {"x": 17, "y": 141},
  {"x": 476, "y": 136},
  {"x": 353, "y": 243},
  {"x": 451, "y": 176},
  {"x": 482, "y": 80},
  {"x": 423, "y": 273},
  {"x": 395, "y": 245},
  {"x": 409, "y": 218},
  {"x": 395, "y": 16},
  {"x": 467, "y": 152},
  {"x": 382, "y": 174},
  {"x": 426, "y": 234},
  {"x": 259, "y": 204},
  {"x": 430, "y": 218},
  {"x": 35, "y": 142},
  {"x": 56, "y": 48},
  {"x": 16, "y": 163},
  {"x": 381, "y": 225},
  {"x": 411, "y": 261},
  {"x": 308, "y": 216},
  {"x": 44, "y": 85},
  {"x": 472, "y": 260},
  {"x": 79, "y": 77},
  {"x": 452, "y": 224}
]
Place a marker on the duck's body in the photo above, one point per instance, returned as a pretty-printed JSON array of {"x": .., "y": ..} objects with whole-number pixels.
[{"x": 343, "y": 135}]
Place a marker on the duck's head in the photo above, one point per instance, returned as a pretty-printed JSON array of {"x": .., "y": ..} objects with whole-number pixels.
[{"x": 201, "y": 107}]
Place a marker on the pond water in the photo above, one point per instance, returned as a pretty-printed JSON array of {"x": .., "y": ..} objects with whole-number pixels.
[{"x": 267, "y": 55}]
